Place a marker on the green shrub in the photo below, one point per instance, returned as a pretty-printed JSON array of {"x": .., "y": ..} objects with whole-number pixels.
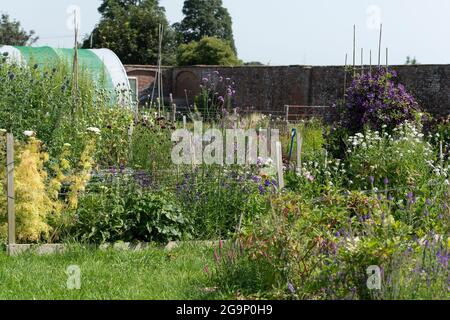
[{"x": 119, "y": 210}]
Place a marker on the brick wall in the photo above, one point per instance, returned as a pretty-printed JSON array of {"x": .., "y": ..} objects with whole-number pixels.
[{"x": 269, "y": 88}]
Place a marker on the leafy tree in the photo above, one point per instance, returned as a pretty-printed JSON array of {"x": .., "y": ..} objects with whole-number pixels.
[
  {"x": 130, "y": 29},
  {"x": 12, "y": 34},
  {"x": 207, "y": 51},
  {"x": 410, "y": 61},
  {"x": 253, "y": 63},
  {"x": 205, "y": 18}
]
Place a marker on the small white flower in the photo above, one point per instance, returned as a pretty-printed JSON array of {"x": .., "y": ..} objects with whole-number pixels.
[
  {"x": 29, "y": 133},
  {"x": 3, "y": 131},
  {"x": 93, "y": 130},
  {"x": 68, "y": 145}
]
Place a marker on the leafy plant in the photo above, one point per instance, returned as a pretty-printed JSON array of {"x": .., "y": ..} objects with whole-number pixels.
[{"x": 375, "y": 99}]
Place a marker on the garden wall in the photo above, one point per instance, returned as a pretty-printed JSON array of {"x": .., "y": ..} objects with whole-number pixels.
[{"x": 269, "y": 88}]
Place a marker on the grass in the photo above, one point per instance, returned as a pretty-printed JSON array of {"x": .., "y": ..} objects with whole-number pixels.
[{"x": 109, "y": 275}]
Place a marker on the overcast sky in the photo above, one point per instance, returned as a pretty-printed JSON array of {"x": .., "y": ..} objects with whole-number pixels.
[{"x": 284, "y": 32}]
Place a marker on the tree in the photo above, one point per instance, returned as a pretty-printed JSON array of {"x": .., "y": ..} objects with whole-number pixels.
[
  {"x": 253, "y": 63},
  {"x": 12, "y": 34},
  {"x": 130, "y": 29},
  {"x": 205, "y": 18},
  {"x": 207, "y": 51},
  {"x": 410, "y": 61}
]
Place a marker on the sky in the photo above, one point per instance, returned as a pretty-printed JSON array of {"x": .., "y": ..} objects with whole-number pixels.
[{"x": 283, "y": 32}]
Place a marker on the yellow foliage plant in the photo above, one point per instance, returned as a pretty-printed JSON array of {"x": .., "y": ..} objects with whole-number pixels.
[{"x": 32, "y": 201}]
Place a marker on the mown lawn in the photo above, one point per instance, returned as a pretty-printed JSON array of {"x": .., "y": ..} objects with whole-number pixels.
[{"x": 151, "y": 274}]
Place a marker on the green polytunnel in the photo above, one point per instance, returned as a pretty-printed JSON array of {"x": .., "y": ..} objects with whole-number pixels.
[{"x": 103, "y": 65}]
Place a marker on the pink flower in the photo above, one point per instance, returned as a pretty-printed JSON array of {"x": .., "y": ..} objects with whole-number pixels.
[{"x": 206, "y": 269}]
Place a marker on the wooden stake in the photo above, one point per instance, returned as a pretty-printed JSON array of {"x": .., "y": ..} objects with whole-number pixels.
[
  {"x": 345, "y": 76},
  {"x": 379, "y": 45},
  {"x": 11, "y": 204},
  {"x": 441, "y": 154},
  {"x": 387, "y": 59},
  {"x": 354, "y": 49},
  {"x": 235, "y": 119},
  {"x": 75, "y": 58},
  {"x": 174, "y": 114},
  {"x": 279, "y": 162},
  {"x": 299, "y": 151},
  {"x": 184, "y": 122},
  {"x": 287, "y": 113},
  {"x": 362, "y": 60}
]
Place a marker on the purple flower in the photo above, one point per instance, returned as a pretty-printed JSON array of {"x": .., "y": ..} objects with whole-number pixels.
[
  {"x": 371, "y": 179},
  {"x": 261, "y": 190},
  {"x": 386, "y": 181},
  {"x": 256, "y": 178},
  {"x": 291, "y": 288},
  {"x": 221, "y": 99},
  {"x": 267, "y": 183}
]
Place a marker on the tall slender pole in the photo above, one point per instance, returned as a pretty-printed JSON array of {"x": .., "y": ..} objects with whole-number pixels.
[
  {"x": 345, "y": 75},
  {"x": 11, "y": 205},
  {"x": 370, "y": 61},
  {"x": 159, "y": 73},
  {"x": 362, "y": 60},
  {"x": 75, "y": 58},
  {"x": 354, "y": 49},
  {"x": 299, "y": 151},
  {"x": 379, "y": 45},
  {"x": 387, "y": 59}
]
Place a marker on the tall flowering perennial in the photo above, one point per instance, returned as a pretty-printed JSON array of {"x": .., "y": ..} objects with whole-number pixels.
[
  {"x": 376, "y": 99},
  {"x": 216, "y": 98}
]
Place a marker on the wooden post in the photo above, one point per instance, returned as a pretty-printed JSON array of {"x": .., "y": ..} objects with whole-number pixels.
[
  {"x": 379, "y": 45},
  {"x": 441, "y": 154},
  {"x": 354, "y": 50},
  {"x": 299, "y": 151},
  {"x": 279, "y": 163},
  {"x": 345, "y": 77},
  {"x": 184, "y": 122},
  {"x": 287, "y": 114},
  {"x": 387, "y": 59},
  {"x": 269, "y": 139},
  {"x": 174, "y": 115},
  {"x": 10, "y": 172}
]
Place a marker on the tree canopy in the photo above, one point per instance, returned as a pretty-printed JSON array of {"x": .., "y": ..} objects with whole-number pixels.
[
  {"x": 207, "y": 51},
  {"x": 130, "y": 29},
  {"x": 12, "y": 34},
  {"x": 205, "y": 18}
]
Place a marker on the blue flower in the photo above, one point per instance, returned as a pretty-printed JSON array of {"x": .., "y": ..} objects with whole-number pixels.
[{"x": 261, "y": 190}]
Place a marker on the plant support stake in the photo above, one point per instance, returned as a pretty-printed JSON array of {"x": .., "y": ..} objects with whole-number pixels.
[
  {"x": 279, "y": 166},
  {"x": 11, "y": 205}
]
